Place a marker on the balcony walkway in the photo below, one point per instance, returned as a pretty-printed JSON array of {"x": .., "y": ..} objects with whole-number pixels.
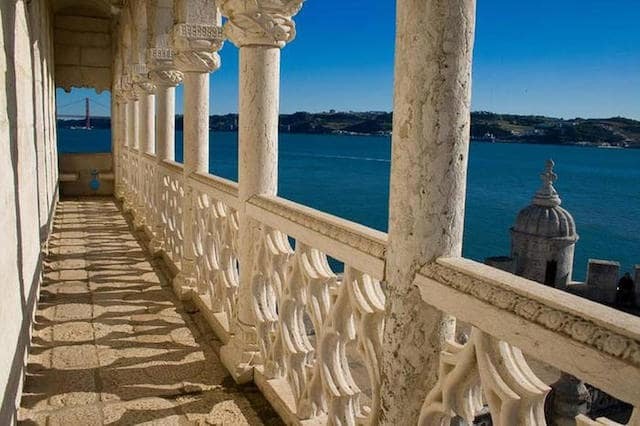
[{"x": 111, "y": 343}]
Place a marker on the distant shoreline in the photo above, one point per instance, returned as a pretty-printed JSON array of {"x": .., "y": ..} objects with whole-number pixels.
[{"x": 615, "y": 132}]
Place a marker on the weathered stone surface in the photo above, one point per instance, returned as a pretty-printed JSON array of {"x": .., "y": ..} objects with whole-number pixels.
[{"x": 116, "y": 346}]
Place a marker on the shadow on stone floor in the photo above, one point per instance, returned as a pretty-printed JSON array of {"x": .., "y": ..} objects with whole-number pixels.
[{"x": 111, "y": 343}]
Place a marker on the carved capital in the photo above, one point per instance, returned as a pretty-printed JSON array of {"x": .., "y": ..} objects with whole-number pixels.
[
  {"x": 143, "y": 88},
  {"x": 141, "y": 83},
  {"x": 120, "y": 95},
  {"x": 197, "y": 61},
  {"x": 166, "y": 77},
  {"x": 260, "y": 22},
  {"x": 125, "y": 89},
  {"x": 196, "y": 47}
]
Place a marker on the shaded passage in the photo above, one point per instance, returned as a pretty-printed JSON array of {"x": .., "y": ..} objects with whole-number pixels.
[{"x": 111, "y": 343}]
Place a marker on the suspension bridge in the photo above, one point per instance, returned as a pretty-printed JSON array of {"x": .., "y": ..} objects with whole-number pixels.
[{"x": 86, "y": 117}]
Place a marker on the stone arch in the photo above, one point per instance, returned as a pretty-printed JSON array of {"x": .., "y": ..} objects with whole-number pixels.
[{"x": 83, "y": 51}]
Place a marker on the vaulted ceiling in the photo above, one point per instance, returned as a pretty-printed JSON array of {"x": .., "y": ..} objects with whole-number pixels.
[
  {"x": 97, "y": 8},
  {"x": 83, "y": 48}
]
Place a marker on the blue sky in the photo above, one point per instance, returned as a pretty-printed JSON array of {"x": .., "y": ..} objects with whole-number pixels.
[{"x": 563, "y": 58}]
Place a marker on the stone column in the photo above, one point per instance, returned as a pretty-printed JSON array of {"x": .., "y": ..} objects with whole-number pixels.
[
  {"x": 147, "y": 118},
  {"x": 146, "y": 143},
  {"x": 166, "y": 81},
  {"x": 132, "y": 125},
  {"x": 258, "y": 150},
  {"x": 431, "y": 118},
  {"x": 196, "y": 56},
  {"x": 119, "y": 132}
]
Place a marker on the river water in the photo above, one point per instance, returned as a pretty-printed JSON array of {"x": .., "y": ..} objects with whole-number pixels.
[{"x": 349, "y": 176}]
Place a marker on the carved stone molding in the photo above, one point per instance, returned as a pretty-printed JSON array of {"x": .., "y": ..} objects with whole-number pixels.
[
  {"x": 259, "y": 22},
  {"x": 565, "y": 322},
  {"x": 186, "y": 33},
  {"x": 160, "y": 54}
]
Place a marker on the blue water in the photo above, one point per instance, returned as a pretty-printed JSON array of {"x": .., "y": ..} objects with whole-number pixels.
[{"x": 349, "y": 176}]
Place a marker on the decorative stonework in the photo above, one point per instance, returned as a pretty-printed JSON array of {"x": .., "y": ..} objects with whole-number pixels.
[
  {"x": 489, "y": 367},
  {"x": 197, "y": 61},
  {"x": 339, "y": 233},
  {"x": 211, "y": 33},
  {"x": 166, "y": 77},
  {"x": 259, "y": 22},
  {"x": 563, "y": 321},
  {"x": 196, "y": 47},
  {"x": 145, "y": 88},
  {"x": 159, "y": 54},
  {"x": 288, "y": 285}
]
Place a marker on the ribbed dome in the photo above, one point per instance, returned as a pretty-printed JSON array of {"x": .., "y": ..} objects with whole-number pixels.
[
  {"x": 544, "y": 217},
  {"x": 543, "y": 221}
]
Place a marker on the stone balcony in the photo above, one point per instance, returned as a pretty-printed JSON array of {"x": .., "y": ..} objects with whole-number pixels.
[{"x": 214, "y": 290}]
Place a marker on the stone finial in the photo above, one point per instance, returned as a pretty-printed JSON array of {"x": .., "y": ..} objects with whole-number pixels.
[
  {"x": 547, "y": 195},
  {"x": 260, "y": 22}
]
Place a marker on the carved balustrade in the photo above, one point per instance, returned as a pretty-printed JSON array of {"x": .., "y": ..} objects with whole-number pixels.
[
  {"x": 171, "y": 197},
  {"x": 319, "y": 332},
  {"x": 216, "y": 247},
  {"x": 319, "y": 326},
  {"x": 511, "y": 317}
]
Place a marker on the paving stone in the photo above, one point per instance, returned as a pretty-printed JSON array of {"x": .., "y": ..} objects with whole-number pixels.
[
  {"x": 74, "y": 357},
  {"x": 74, "y": 312},
  {"x": 73, "y": 332},
  {"x": 112, "y": 344}
]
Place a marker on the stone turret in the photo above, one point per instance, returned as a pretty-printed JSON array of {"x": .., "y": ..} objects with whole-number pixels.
[{"x": 543, "y": 237}]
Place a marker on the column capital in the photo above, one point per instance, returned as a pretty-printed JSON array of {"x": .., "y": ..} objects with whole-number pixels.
[
  {"x": 196, "y": 47},
  {"x": 163, "y": 71},
  {"x": 124, "y": 90},
  {"x": 260, "y": 22},
  {"x": 166, "y": 77},
  {"x": 142, "y": 85},
  {"x": 119, "y": 92}
]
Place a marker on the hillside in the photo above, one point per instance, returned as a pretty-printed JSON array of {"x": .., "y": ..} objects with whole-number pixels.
[{"x": 616, "y": 131}]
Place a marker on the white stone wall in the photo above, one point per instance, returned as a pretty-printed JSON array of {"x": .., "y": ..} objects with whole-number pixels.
[{"x": 28, "y": 182}]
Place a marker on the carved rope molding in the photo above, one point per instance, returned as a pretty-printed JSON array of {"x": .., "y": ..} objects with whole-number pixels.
[
  {"x": 337, "y": 232},
  {"x": 563, "y": 321}
]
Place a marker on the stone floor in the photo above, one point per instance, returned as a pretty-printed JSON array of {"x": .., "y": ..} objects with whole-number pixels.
[{"x": 111, "y": 343}]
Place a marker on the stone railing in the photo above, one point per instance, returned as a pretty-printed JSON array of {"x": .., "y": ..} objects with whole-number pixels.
[
  {"x": 510, "y": 315},
  {"x": 216, "y": 247},
  {"x": 319, "y": 307}
]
